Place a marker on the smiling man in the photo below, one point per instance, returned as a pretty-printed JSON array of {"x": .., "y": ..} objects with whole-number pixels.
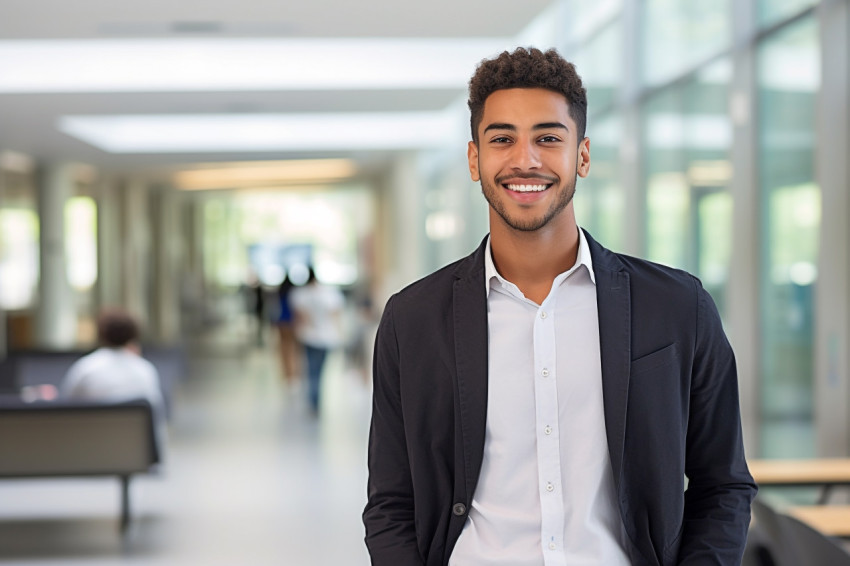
[{"x": 543, "y": 401}]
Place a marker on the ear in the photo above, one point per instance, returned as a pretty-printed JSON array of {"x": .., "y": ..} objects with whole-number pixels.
[
  {"x": 472, "y": 156},
  {"x": 583, "y": 159}
]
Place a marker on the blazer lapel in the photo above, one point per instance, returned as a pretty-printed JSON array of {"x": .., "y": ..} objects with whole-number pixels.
[
  {"x": 614, "y": 308},
  {"x": 471, "y": 355}
]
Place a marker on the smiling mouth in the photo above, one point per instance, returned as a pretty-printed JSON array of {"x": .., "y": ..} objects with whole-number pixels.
[{"x": 526, "y": 188}]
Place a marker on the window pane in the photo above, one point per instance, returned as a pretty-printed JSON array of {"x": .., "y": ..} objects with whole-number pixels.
[
  {"x": 591, "y": 17},
  {"x": 599, "y": 201},
  {"x": 772, "y": 11},
  {"x": 18, "y": 258},
  {"x": 689, "y": 209},
  {"x": 678, "y": 34},
  {"x": 599, "y": 64},
  {"x": 81, "y": 242},
  {"x": 19, "y": 241},
  {"x": 714, "y": 244},
  {"x": 789, "y": 79},
  {"x": 262, "y": 229}
]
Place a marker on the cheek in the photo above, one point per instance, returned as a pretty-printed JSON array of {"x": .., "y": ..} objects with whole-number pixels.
[{"x": 488, "y": 167}]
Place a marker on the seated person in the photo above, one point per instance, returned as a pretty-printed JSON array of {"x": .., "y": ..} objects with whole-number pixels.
[{"x": 116, "y": 371}]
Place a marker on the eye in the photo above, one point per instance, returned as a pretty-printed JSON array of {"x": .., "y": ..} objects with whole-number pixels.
[
  {"x": 549, "y": 139},
  {"x": 500, "y": 139}
]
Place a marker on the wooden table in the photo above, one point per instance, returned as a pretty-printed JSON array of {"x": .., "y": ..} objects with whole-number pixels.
[
  {"x": 833, "y": 520},
  {"x": 818, "y": 472}
]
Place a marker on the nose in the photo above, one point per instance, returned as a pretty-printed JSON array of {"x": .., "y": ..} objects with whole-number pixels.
[{"x": 525, "y": 155}]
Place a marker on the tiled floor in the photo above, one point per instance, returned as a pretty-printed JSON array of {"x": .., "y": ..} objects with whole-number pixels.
[{"x": 251, "y": 479}]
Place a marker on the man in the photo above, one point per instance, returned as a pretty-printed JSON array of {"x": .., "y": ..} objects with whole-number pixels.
[
  {"x": 116, "y": 371},
  {"x": 543, "y": 400}
]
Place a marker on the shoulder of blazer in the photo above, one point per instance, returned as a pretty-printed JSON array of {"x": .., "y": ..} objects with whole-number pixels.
[
  {"x": 641, "y": 272},
  {"x": 441, "y": 282}
]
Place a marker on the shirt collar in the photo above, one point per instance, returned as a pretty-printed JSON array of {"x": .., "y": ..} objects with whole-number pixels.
[{"x": 582, "y": 258}]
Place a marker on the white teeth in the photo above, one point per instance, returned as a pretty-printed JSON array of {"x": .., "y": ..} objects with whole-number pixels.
[{"x": 527, "y": 188}]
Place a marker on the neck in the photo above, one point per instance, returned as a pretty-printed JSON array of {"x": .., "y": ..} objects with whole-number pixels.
[{"x": 532, "y": 260}]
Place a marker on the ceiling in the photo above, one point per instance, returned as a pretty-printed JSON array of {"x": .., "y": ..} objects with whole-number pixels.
[{"x": 29, "y": 116}]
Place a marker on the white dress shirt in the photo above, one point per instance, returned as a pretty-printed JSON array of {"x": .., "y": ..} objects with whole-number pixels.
[{"x": 545, "y": 494}]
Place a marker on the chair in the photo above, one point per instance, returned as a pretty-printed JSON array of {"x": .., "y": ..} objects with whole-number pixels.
[
  {"x": 757, "y": 550},
  {"x": 777, "y": 547},
  {"x": 815, "y": 548}
]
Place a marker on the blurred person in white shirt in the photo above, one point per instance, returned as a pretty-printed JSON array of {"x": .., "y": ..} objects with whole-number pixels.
[
  {"x": 317, "y": 308},
  {"x": 116, "y": 371}
]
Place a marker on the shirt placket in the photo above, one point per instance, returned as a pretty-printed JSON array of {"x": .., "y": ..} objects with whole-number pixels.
[{"x": 548, "y": 437}]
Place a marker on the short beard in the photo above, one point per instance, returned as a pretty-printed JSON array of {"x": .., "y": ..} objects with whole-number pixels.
[{"x": 565, "y": 196}]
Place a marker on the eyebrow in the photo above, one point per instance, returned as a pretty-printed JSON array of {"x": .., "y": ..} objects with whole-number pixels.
[{"x": 512, "y": 128}]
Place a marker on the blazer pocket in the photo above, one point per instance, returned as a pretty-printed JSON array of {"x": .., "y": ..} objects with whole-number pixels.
[{"x": 655, "y": 360}]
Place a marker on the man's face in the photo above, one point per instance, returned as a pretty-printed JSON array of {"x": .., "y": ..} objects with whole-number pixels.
[{"x": 527, "y": 157}]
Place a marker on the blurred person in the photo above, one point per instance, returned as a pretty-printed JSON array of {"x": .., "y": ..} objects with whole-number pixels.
[
  {"x": 258, "y": 306},
  {"x": 116, "y": 370},
  {"x": 543, "y": 400},
  {"x": 317, "y": 308},
  {"x": 255, "y": 304},
  {"x": 287, "y": 343}
]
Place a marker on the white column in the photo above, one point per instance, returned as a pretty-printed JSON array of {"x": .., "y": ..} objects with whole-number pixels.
[
  {"x": 832, "y": 299},
  {"x": 56, "y": 316},
  {"x": 401, "y": 211},
  {"x": 136, "y": 251},
  {"x": 109, "y": 244},
  {"x": 742, "y": 312},
  {"x": 191, "y": 270},
  {"x": 167, "y": 255},
  {"x": 631, "y": 148}
]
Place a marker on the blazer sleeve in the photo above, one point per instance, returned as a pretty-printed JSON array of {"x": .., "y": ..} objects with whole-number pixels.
[
  {"x": 389, "y": 514},
  {"x": 720, "y": 488}
]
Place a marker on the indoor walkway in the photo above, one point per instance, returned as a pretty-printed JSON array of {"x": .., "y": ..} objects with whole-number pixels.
[{"x": 251, "y": 478}]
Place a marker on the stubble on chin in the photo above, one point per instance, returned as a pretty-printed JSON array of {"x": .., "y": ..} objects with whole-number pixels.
[{"x": 565, "y": 196}]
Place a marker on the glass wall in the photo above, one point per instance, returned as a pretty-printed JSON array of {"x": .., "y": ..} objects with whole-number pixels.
[
  {"x": 599, "y": 63},
  {"x": 19, "y": 255},
  {"x": 673, "y": 98},
  {"x": 687, "y": 139},
  {"x": 678, "y": 35},
  {"x": 598, "y": 56},
  {"x": 81, "y": 242},
  {"x": 788, "y": 83},
  {"x": 772, "y": 11},
  {"x": 261, "y": 231},
  {"x": 599, "y": 200}
]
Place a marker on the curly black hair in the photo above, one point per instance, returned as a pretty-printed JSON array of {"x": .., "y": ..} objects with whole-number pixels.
[{"x": 527, "y": 68}]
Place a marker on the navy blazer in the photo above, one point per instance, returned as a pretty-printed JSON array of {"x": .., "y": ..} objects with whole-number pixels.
[{"x": 670, "y": 397}]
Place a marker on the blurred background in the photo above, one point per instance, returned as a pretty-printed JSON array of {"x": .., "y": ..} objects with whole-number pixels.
[{"x": 181, "y": 159}]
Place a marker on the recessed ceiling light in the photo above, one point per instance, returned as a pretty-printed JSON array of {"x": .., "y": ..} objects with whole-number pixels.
[
  {"x": 264, "y": 174},
  {"x": 193, "y": 133},
  {"x": 190, "y": 65}
]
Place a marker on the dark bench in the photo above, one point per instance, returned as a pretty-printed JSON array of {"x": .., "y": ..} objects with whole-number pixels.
[{"x": 78, "y": 438}]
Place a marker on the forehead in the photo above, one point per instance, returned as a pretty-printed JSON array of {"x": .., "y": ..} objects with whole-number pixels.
[{"x": 519, "y": 106}]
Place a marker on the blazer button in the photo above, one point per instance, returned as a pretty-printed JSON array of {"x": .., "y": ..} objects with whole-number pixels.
[{"x": 459, "y": 509}]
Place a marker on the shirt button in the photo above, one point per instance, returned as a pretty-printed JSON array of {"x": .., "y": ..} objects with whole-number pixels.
[
  {"x": 551, "y": 546},
  {"x": 545, "y": 372},
  {"x": 550, "y": 487},
  {"x": 459, "y": 509},
  {"x": 548, "y": 429},
  {"x": 543, "y": 314}
]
